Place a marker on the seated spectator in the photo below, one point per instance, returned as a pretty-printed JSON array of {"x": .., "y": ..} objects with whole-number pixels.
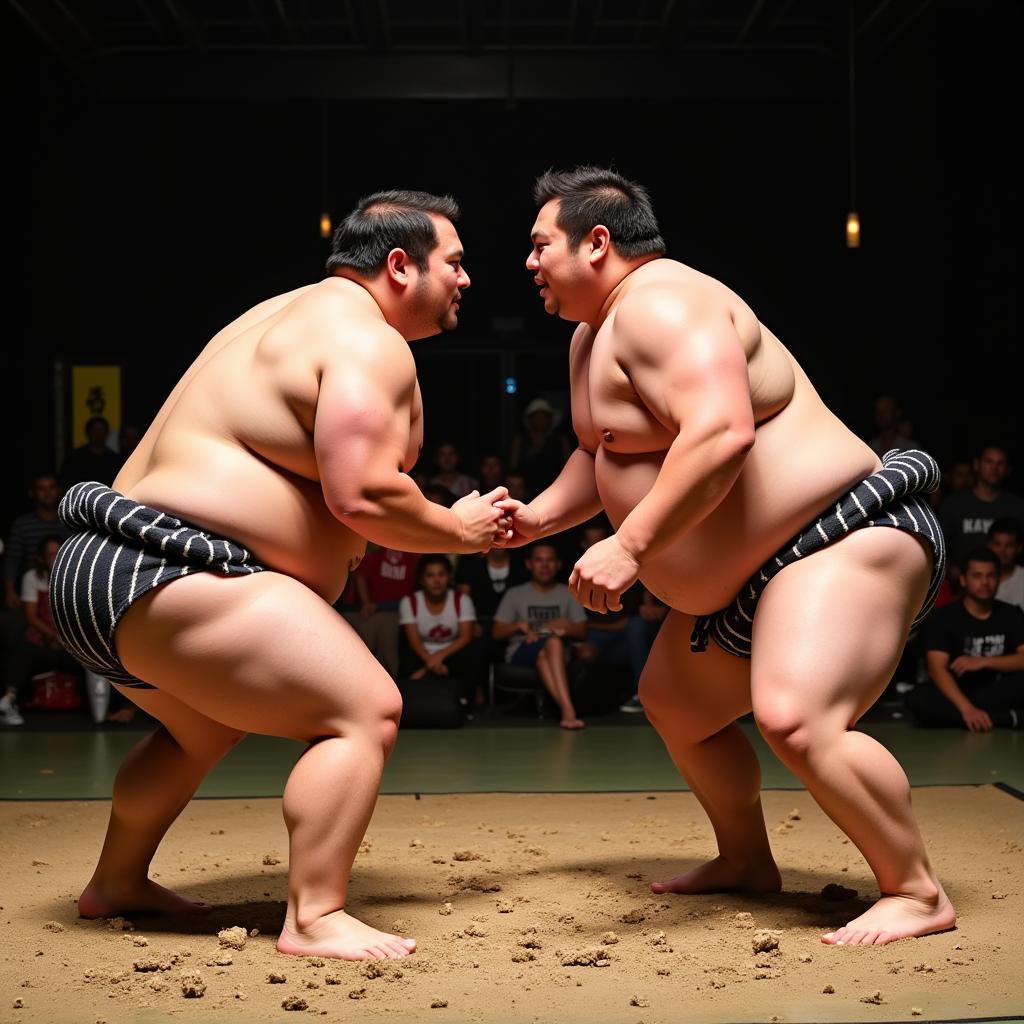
[
  {"x": 40, "y": 649},
  {"x": 438, "y": 623},
  {"x": 492, "y": 472},
  {"x": 640, "y": 635},
  {"x": 538, "y": 618},
  {"x": 965, "y": 517},
  {"x": 1005, "y": 538},
  {"x": 541, "y": 450},
  {"x": 27, "y": 533},
  {"x": 892, "y": 426},
  {"x": 93, "y": 460},
  {"x": 383, "y": 578},
  {"x": 128, "y": 438},
  {"x": 956, "y": 477},
  {"x": 485, "y": 578},
  {"x": 439, "y": 494},
  {"x": 449, "y": 475},
  {"x": 515, "y": 483},
  {"x": 975, "y": 654},
  {"x": 626, "y": 636}
]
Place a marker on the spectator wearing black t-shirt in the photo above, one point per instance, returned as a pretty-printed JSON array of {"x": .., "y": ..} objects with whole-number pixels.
[
  {"x": 94, "y": 460},
  {"x": 974, "y": 648}
]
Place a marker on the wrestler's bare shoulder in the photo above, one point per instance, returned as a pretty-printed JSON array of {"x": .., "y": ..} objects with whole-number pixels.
[
  {"x": 667, "y": 294},
  {"x": 337, "y": 319}
]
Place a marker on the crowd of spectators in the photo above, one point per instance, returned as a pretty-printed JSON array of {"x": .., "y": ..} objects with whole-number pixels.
[{"x": 451, "y": 622}]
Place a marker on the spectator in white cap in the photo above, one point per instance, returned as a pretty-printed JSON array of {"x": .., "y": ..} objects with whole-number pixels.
[{"x": 539, "y": 453}]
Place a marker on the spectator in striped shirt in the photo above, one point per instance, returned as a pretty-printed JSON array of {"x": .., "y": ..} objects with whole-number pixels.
[{"x": 28, "y": 530}]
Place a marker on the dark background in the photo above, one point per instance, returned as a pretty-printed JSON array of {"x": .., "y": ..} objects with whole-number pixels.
[{"x": 166, "y": 170}]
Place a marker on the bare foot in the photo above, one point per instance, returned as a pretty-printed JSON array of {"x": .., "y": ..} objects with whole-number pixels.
[
  {"x": 719, "y": 875},
  {"x": 572, "y": 723},
  {"x": 896, "y": 917},
  {"x": 342, "y": 936},
  {"x": 148, "y": 898}
]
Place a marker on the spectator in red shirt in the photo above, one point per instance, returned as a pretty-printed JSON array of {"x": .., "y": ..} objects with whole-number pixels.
[{"x": 383, "y": 578}]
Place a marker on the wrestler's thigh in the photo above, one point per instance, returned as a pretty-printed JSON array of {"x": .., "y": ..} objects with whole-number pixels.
[
  {"x": 259, "y": 653},
  {"x": 692, "y": 695},
  {"x": 830, "y": 628},
  {"x": 197, "y": 735}
]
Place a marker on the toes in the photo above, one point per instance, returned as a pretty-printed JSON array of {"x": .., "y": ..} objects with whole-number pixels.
[{"x": 410, "y": 944}]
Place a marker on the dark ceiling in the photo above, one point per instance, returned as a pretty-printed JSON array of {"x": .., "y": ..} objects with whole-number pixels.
[{"x": 508, "y": 49}]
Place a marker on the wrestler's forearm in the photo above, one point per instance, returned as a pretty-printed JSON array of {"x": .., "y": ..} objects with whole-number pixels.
[
  {"x": 694, "y": 478},
  {"x": 396, "y": 515},
  {"x": 572, "y": 499}
]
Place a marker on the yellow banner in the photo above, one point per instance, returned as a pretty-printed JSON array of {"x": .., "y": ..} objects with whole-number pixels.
[{"x": 95, "y": 391}]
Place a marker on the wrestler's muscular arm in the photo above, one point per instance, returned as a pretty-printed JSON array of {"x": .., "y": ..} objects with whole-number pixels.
[
  {"x": 361, "y": 436},
  {"x": 689, "y": 367}
]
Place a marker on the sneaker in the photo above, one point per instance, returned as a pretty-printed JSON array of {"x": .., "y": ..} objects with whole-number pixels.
[
  {"x": 9, "y": 713},
  {"x": 632, "y": 706}
]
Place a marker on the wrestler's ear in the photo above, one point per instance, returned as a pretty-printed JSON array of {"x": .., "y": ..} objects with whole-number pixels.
[
  {"x": 397, "y": 266},
  {"x": 600, "y": 243}
]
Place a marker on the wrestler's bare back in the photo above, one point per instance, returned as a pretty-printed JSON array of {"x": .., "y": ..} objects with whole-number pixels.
[
  {"x": 232, "y": 448},
  {"x": 803, "y": 457}
]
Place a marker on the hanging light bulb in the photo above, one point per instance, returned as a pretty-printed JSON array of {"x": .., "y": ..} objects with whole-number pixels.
[
  {"x": 325, "y": 225},
  {"x": 852, "y": 231}
]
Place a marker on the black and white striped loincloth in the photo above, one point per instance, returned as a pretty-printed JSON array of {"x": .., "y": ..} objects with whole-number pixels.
[
  {"x": 117, "y": 552},
  {"x": 890, "y": 497}
]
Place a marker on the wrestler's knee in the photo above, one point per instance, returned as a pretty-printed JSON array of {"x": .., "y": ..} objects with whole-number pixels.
[
  {"x": 784, "y": 722},
  {"x": 207, "y": 742}
]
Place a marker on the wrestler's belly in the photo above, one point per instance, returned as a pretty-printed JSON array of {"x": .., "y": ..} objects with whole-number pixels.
[
  {"x": 279, "y": 516},
  {"x": 797, "y": 466}
]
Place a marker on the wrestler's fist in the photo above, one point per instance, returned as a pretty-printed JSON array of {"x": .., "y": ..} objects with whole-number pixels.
[
  {"x": 482, "y": 521},
  {"x": 603, "y": 574},
  {"x": 524, "y": 523}
]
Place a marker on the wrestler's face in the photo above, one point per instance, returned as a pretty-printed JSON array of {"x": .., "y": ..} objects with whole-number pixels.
[
  {"x": 544, "y": 565},
  {"x": 1006, "y": 547},
  {"x": 991, "y": 466},
  {"x": 557, "y": 270},
  {"x": 436, "y": 579},
  {"x": 437, "y": 292},
  {"x": 980, "y": 580}
]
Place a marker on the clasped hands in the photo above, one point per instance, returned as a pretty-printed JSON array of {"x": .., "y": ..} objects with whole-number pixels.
[{"x": 599, "y": 578}]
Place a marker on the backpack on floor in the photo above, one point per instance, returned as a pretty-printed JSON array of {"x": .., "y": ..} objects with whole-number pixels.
[{"x": 55, "y": 691}]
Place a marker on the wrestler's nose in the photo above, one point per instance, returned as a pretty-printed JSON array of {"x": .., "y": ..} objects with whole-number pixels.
[
  {"x": 463, "y": 279},
  {"x": 532, "y": 262}
]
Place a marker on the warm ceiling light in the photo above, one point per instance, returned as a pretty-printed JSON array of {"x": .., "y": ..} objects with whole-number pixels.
[{"x": 852, "y": 231}]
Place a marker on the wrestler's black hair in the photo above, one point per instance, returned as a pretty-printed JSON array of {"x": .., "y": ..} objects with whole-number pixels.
[
  {"x": 980, "y": 554},
  {"x": 595, "y": 195},
  {"x": 428, "y": 560},
  {"x": 1007, "y": 525},
  {"x": 384, "y": 221}
]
